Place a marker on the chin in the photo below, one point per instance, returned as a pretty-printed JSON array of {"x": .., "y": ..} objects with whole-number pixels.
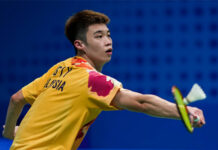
[
  {"x": 104, "y": 61},
  {"x": 107, "y": 60}
]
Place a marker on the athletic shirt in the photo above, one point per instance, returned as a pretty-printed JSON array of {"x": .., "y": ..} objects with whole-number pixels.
[{"x": 65, "y": 102}]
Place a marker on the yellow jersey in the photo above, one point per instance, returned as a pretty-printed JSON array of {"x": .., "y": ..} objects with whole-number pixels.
[{"x": 65, "y": 102}]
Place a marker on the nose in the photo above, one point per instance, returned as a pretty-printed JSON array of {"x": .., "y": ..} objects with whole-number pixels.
[{"x": 108, "y": 41}]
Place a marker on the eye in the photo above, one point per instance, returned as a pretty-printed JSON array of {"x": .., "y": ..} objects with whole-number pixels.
[
  {"x": 109, "y": 34},
  {"x": 98, "y": 36}
]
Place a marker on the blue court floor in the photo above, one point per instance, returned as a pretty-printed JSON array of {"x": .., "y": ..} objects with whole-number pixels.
[{"x": 5, "y": 145}]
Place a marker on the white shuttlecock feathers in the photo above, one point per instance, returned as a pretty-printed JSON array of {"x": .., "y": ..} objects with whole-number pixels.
[{"x": 196, "y": 93}]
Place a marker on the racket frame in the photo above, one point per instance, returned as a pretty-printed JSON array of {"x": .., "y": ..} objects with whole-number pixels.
[{"x": 182, "y": 108}]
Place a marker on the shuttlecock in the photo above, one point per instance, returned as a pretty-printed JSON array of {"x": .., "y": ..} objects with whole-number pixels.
[{"x": 196, "y": 93}]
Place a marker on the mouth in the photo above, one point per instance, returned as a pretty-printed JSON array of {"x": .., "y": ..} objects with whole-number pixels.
[{"x": 109, "y": 51}]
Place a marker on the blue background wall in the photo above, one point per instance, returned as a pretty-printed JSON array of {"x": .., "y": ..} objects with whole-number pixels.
[{"x": 157, "y": 44}]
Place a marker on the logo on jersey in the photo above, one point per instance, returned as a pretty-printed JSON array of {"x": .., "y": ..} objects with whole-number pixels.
[{"x": 100, "y": 84}]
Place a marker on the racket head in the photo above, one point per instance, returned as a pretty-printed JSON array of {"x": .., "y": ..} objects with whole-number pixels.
[{"x": 182, "y": 108}]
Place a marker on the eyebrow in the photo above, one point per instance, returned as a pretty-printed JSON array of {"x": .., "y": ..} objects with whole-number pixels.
[{"x": 100, "y": 31}]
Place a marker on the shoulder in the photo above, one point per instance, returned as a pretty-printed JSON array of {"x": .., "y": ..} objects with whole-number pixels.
[
  {"x": 100, "y": 83},
  {"x": 100, "y": 78}
]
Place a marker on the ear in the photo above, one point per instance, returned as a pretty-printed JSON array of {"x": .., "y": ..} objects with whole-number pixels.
[{"x": 79, "y": 45}]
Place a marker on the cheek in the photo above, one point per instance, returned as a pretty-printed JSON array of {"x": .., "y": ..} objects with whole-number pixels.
[{"x": 97, "y": 46}]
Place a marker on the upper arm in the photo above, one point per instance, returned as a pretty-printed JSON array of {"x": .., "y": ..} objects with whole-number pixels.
[{"x": 129, "y": 100}]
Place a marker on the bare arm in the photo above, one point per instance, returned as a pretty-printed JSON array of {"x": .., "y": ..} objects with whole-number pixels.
[
  {"x": 15, "y": 108},
  {"x": 151, "y": 105}
]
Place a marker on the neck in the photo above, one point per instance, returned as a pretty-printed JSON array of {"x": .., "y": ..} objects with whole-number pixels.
[{"x": 97, "y": 66}]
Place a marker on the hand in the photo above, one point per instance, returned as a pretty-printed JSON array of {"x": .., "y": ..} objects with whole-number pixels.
[
  {"x": 15, "y": 130},
  {"x": 9, "y": 136},
  {"x": 196, "y": 116}
]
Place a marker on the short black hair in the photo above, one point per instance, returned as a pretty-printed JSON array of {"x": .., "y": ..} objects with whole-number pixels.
[{"x": 77, "y": 25}]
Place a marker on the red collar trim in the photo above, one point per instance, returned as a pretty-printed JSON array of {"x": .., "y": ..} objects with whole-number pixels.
[{"x": 81, "y": 62}]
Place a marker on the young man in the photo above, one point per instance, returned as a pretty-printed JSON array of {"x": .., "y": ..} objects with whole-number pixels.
[{"x": 68, "y": 98}]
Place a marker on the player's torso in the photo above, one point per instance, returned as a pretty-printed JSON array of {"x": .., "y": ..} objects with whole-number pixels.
[{"x": 61, "y": 106}]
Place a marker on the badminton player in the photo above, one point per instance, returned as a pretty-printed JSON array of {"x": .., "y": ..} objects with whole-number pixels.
[{"x": 68, "y": 98}]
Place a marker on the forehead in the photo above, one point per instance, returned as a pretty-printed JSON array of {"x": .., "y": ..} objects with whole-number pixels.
[{"x": 97, "y": 27}]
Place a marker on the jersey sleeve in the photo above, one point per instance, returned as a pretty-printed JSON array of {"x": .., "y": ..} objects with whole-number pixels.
[
  {"x": 33, "y": 89},
  {"x": 102, "y": 89}
]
